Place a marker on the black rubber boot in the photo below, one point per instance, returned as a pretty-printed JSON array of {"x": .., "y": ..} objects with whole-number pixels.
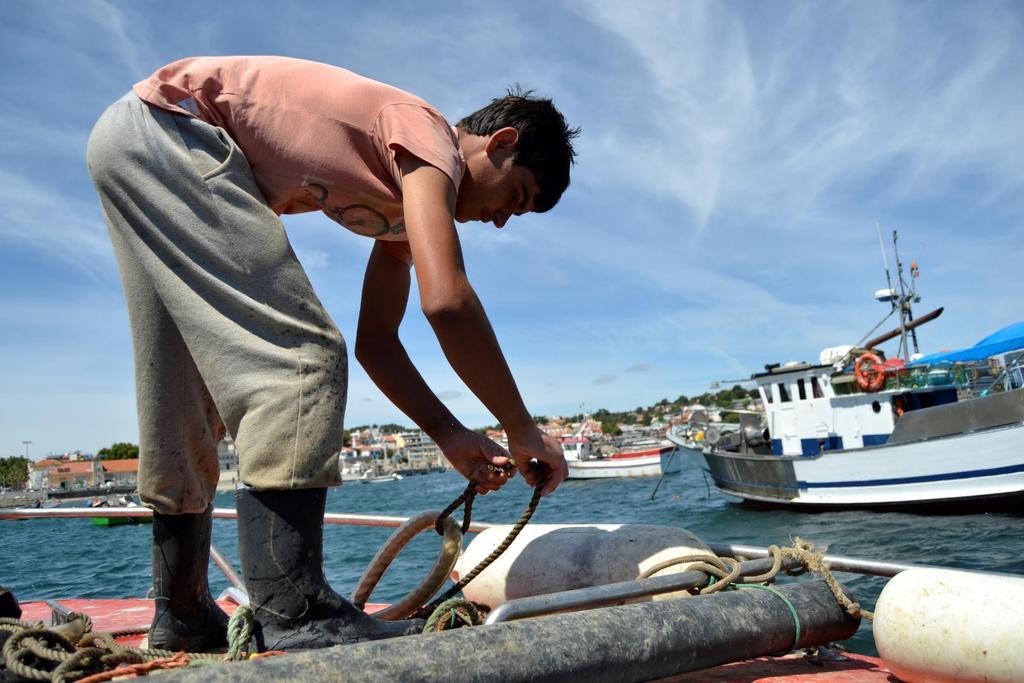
[
  {"x": 186, "y": 617},
  {"x": 280, "y": 540}
]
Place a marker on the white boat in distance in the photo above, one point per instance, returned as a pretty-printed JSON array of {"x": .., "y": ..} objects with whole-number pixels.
[
  {"x": 370, "y": 478},
  {"x": 648, "y": 458}
]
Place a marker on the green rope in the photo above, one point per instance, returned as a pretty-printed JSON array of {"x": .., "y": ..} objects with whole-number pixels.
[
  {"x": 792, "y": 609},
  {"x": 455, "y": 610},
  {"x": 239, "y": 632}
]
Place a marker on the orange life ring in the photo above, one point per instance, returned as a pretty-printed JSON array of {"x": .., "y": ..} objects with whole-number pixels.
[{"x": 870, "y": 378}]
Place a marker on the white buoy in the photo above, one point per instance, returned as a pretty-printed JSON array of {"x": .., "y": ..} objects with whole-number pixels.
[
  {"x": 947, "y": 625},
  {"x": 546, "y": 558}
]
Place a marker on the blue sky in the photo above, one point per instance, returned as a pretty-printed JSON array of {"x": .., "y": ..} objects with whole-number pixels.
[{"x": 735, "y": 158}]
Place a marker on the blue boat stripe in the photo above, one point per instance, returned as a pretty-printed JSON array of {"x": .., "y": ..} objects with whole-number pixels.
[{"x": 971, "y": 474}]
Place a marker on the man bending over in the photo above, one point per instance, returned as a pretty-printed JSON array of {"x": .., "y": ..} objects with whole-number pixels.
[{"x": 194, "y": 167}]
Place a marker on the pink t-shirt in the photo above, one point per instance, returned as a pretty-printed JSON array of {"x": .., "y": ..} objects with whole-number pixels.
[{"x": 317, "y": 137}]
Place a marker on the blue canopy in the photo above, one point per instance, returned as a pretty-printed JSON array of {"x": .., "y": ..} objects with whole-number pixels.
[{"x": 1009, "y": 338}]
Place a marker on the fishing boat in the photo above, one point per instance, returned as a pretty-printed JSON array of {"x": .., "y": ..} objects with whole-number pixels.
[
  {"x": 591, "y": 616},
  {"x": 642, "y": 458},
  {"x": 371, "y": 478},
  {"x": 857, "y": 430},
  {"x": 124, "y": 500}
]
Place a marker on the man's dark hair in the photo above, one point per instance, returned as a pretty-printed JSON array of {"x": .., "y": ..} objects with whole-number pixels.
[{"x": 545, "y": 139}]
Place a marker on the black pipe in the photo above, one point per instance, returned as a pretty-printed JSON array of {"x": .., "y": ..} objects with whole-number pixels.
[{"x": 636, "y": 642}]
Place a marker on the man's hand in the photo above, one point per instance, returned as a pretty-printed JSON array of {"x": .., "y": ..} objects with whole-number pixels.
[
  {"x": 478, "y": 459},
  {"x": 534, "y": 444}
]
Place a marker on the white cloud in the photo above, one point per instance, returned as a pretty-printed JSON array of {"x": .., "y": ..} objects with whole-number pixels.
[
  {"x": 60, "y": 226},
  {"x": 640, "y": 367}
]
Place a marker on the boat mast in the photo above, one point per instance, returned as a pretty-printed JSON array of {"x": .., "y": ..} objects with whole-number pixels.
[{"x": 906, "y": 313}]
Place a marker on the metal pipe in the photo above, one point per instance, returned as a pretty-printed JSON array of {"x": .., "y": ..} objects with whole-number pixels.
[
  {"x": 225, "y": 567},
  {"x": 840, "y": 563},
  {"x": 53, "y": 513},
  {"x": 596, "y": 596},
  {"x": 218, "y": 513}
]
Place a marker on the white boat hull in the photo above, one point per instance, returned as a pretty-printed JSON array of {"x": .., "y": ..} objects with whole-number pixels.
[
  {"x": 669, "y": 462},
  {"x": 381, "y": 479},
  {"x": 976, "y": 465}
]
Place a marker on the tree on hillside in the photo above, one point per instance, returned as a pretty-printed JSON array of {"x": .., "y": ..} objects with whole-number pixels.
[
  {"x": 14, "y": 472},
  {"x": 119, "y": 451}
]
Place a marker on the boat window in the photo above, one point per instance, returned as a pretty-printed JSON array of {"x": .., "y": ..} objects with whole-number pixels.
[
  {"x": 816, "y": 388},
  {"x": 801, "y": 390},
  {"x": 783, "y": 394},
  {"x": 766, "y": 393}
]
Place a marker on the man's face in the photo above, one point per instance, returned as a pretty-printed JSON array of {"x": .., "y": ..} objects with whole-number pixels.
[{"x": 495, "y": 189}]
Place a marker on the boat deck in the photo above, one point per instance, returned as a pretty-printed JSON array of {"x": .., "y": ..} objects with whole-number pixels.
[{"x": 135, "y": 613}]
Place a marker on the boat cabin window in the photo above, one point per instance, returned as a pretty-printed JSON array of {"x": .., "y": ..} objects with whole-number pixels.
[
  {"x": 783, "y": 393},
  {"x": 816, "y": 388},
  {"x": 766, "y": 393},
  {"x": 801, "y": 390}
]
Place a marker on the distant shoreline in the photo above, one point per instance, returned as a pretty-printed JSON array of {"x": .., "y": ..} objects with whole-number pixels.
[{"x": 228, "y": 481}]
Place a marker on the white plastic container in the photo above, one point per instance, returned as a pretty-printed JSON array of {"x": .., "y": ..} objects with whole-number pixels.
[
  {"x": 947, "y": 625},
  {"x": 546, "y": 558}
]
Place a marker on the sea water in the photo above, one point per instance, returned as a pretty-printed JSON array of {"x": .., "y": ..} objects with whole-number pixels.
[{"x": 61, "y": 558}]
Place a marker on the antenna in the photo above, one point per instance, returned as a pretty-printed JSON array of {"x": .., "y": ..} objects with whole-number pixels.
[
  {"x": 885, "y": 262},
  {"x": 906, "y": 314}
]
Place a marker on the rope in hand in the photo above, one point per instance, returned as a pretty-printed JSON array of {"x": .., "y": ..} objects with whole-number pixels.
[{"x": 467, "y": 497}]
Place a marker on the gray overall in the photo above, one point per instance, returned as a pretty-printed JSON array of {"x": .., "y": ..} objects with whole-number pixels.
[{"x": 227, "y": 331}]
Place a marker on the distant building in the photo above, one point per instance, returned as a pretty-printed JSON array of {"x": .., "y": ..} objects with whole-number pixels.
[
  {"x": 73, "y": 475},
  {"x": 120, "y": 472},
  {"x": 420, "y": 451},
  {"x": 37, "y": 473},
  {"x": 75, "y": 456},
  {"x": 227, "y": 456},
  {"x": 555, "y": 428}
]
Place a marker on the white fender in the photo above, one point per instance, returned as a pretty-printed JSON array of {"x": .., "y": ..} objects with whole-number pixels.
[
  {"x": 947, "y": 625},
  {"x": 546, "y": 558}
]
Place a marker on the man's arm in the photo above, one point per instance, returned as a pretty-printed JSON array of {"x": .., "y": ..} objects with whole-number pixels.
[
  {"x": 381, "y": 353},
  {"x": 459, "y": 321}
]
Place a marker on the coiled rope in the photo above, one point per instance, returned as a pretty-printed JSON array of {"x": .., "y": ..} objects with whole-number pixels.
[
  {"x": 73, "y": 652},
  {"x": 724, "y": 572}
]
